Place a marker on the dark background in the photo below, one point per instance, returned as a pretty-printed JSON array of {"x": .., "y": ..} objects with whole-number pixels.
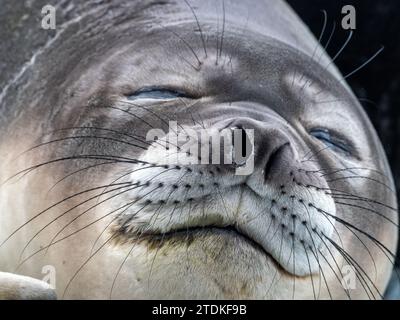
[{"x": 378, "y": 84}]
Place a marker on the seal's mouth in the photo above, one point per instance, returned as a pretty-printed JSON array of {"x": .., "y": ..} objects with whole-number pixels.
[{"x": 185, "y": 236}]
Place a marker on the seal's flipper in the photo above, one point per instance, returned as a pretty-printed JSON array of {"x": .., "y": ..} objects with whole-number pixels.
[{"x": 16, "y": 287}]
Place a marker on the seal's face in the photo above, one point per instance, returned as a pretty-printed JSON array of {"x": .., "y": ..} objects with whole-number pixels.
[{"x": 132, "y": 218}]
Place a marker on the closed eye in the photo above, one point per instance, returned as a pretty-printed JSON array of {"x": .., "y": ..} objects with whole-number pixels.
[
  {"x": 154, "y": 93},
  {"x": 333, "y": 142}
]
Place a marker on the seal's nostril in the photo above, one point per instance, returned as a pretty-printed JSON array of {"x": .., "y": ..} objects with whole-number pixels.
[
  {"x": 242, "y": 145},
  {"x": 271, "y": 160}
]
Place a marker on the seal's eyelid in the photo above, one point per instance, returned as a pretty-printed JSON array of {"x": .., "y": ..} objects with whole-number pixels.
[
  {"x": 332, "y": 141},
  {"x": 155, "y": 93}
]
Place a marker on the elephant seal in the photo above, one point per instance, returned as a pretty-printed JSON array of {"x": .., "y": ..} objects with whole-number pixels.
[{"x": 86, "y": 192}]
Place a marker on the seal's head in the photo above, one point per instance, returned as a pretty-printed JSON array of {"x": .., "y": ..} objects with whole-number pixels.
[{"x": 118, "y": 214}]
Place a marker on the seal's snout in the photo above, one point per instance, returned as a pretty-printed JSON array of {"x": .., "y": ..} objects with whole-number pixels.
[{"x": 281, "y": 204}]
